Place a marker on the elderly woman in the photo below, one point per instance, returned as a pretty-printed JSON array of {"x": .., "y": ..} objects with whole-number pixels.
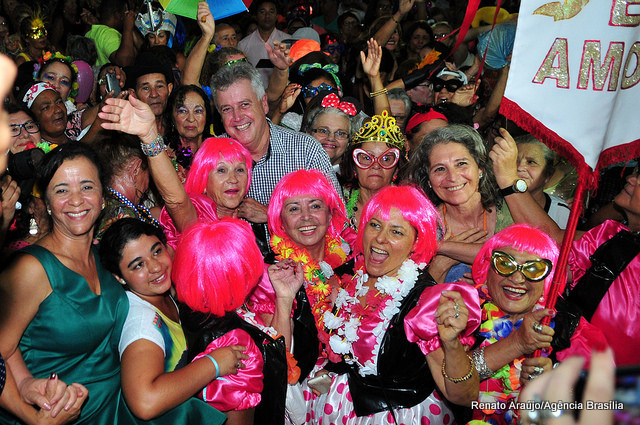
[
  {"x": 330, "y": 120},
  {"x": 25, "y": 131},
  {"x": 536, "y": 165},
  {"x": 306, "y": 219},
  {"x": 50, "y": 111},
  {"x": 453, "y": 168},
  {"x": 189, "y": 112},
  {"x": 401, "y": 336},
  {"x": 56, "y": 290},
  {"x": 216, "y": 185},
  {"x": 376, "y": 155},
  {"x": 513, "y": 275}
]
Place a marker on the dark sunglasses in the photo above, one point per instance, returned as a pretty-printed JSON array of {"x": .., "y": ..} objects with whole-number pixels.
[
  {"x": 450, "y": 85},
  {"x": 310, "y": 91},
  {"x": 332, "y": 48},
  {"x": 534, "y": 270}
]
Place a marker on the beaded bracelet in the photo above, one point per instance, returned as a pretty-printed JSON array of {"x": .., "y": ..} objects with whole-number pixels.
[
  {"x": 481, "y": 364},
  {"x": 378, "y": 92},
  {"x": 463, "y": 378},
  {"x": 154, "y": 148},
  {"x": 215, "y": 363}
]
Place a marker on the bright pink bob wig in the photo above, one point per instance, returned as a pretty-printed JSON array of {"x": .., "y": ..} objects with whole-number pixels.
[
  {"x": 415, "y": 208},
  {"x": 305, "y": 182},
  {"x": 521, "y": 237},
  {"x": 216, "y": 265},
  {"x": 209, "y": 154}
]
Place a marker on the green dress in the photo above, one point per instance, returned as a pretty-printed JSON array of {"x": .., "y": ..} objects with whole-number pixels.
[{"x": 75, "y": 333}]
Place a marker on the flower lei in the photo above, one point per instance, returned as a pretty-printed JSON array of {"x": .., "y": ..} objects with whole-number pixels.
[
  {"x": 494, "y": 327},
  {"x": 316, "y": 275},
  {"x": 349, "y": 312},
  {"x": 293, "y": 373}
]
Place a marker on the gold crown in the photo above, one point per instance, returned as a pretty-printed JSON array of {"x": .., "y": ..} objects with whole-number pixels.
[{"x": 381, "y": 128}]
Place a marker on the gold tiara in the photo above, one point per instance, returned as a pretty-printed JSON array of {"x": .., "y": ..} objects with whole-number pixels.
[{"x": 381, "y": 128}]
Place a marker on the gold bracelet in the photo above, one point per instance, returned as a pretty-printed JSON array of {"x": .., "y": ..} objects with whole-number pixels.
[
  {"x": 462, "y": 379},
  {"x": 378, "y": 93}
]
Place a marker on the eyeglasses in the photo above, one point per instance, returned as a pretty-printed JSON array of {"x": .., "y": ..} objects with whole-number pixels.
[
  {"x": 364, "y": 160},
  {"x": 30, "y": 126},
  {"x": 311, "y": 91},
  {"x": 325, "y": 133},
  {"x": 231, "y": 62},
  {"x": 440, "y": 35},
  {"x": 332, "y": 48},
  {"x": 534, "y": 270},
  {"x": 450, "y": 85}
]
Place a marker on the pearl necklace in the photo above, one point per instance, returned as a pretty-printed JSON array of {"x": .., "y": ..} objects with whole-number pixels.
[
  {"x": 346, "y": 321},
  {"x": 143, "y": 212}
]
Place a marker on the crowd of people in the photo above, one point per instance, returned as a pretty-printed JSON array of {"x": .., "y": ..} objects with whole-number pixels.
[{"x": 309, "y": 212}]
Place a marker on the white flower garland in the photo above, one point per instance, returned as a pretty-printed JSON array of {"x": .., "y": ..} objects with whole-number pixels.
[{"x": 346, "y": 334}]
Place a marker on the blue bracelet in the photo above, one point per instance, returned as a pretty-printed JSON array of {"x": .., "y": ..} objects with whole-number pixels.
[{"x": 215, "y": 363}]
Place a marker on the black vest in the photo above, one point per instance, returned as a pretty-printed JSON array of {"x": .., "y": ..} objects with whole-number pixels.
[{"x": 201, "y": 329}]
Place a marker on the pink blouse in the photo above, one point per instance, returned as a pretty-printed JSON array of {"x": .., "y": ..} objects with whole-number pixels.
[
  {"x": 205, "y": 209},
  {"x": 618, "y": 315}
]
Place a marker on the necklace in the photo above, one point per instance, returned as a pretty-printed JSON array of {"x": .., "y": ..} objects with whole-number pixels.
[
  {"x": 316, "y": 275},
  {"x": 143, "y": 212},
  {"x": 349, "y": 313},
  {"x": 444, "y": 218}
]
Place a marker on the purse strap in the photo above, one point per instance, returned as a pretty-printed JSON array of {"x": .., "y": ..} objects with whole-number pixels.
[{"x": 607, "y": 262}]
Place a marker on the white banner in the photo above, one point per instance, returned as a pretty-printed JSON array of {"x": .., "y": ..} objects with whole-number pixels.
[{"x": 574, "y": 77}]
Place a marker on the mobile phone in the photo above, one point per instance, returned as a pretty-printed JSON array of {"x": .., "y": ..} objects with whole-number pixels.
[
  {"x": 113, "y": 84},
  {"x": 320, "y": 383}
]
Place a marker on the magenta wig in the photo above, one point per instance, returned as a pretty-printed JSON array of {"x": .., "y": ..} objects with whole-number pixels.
[
  {"x": 216, "y": 265},
  {"x": 521, "y": 237},
  {"x": 209, "y": 154},
  {"x": 305, "y": 182},
  {"x": 415, "y": 208}
]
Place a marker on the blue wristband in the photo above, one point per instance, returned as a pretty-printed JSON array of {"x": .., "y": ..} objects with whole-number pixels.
[{"x": 215, "y": 363}]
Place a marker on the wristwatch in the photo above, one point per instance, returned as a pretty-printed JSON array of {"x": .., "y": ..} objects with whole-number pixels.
[{"x": 519, "y": 186}]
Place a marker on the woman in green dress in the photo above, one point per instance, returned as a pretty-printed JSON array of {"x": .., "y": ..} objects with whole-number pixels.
[{"x": 61, "y": 311}]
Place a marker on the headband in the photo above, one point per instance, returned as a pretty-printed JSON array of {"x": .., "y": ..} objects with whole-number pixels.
[
  {"x": 333, "y": 101},
  {"x": 330, "y": 68},
  {"x": 34, "y": 91},
  {"x": 418, "y": 119}
]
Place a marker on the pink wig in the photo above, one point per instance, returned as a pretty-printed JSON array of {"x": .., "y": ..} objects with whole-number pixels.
[
  {"x": 415, "y": 208},
  {"x": 216, "y": 265},
  {"x": 521, "y": 237},
  {"x": 305, "y": 182},
  {"x": 209, "y": 154}
]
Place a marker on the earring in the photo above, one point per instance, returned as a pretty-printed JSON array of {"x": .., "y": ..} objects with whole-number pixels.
[
  {"x": 395, "y": 176},
  {"x": 429, "y": 184},
  {"x": 33, "y": 227},
  {"x": 103, "y": 205},
  {"x": 480, "y": 175},
  {"x": 49, "y": 211}
]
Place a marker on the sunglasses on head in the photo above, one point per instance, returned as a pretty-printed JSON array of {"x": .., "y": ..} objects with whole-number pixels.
[
  {"x": 311, "y": 91},
  {"x": 534, "y": 270},
  {"x": 364, "y": 160},
  {"x": 450, "y": 85}
]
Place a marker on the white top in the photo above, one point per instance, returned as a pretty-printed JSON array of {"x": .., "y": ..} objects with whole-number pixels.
[
  {"x": 253, "y": 47},
  {"x": 139, "y": 324},
  {"x": 558, "y": 211}
]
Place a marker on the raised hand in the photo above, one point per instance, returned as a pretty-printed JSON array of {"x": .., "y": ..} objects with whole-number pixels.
[
  {"x": 371, "y": 62},
  {"x": 291, "y": 93},
  {"x": 279, "y": 55},
  {"x": 452, "y": 316},
  {"x": 504, "y": 156},
  {"x": 531, "y": 335},
  {"x": 405, "y": 6},
  {"x": 205, "y": 20},
  {"x": 287, "y": 278},
  {"x": 130, "y": 116}
]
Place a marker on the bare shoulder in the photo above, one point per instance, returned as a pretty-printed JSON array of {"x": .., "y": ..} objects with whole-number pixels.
[{"x": 25, "y": 276}]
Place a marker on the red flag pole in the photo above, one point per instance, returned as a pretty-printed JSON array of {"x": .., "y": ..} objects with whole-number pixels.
[{"x": 560, "y": 273}]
